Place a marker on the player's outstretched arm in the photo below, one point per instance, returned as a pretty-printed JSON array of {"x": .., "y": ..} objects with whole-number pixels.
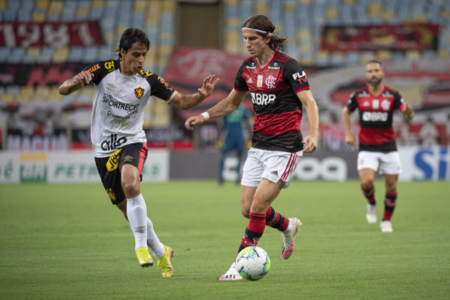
[
  {"x": 223, "y": 108},
  {"x": 312, "y": 112},
  {"x": 408, "y": 112},
  {"x": 349, "y": 137},
  {"x": 71, "y": 85},
  {"x": 185, "y": 102}
]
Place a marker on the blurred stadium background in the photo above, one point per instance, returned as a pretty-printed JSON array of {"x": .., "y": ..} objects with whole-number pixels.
[{"x": 44, "y": 137}]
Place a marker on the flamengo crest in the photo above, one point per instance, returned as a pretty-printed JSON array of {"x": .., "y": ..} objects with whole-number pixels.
[
  {"x": 139, "y": 91},
  {"x": 270, "y": 82}
]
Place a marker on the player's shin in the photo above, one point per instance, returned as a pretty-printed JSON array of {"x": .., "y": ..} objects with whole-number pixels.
[
  {"x": 276, "y": 220},
  {"x": 389, "y": 205},
  {"x": 137, "y": 216},
  {"x": 369, "y": 193},
  {"x": 254, "y": 231},
  {"x": 153, "y": 241}
]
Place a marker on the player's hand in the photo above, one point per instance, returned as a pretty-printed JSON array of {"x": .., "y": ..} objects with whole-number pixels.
[
  {"x": 350, "y": 140},
  {"x": 408, "y": 112},
  {"x": 312, "y": 144},
  {"x": 192, "y": 121},
  {"x": 84, "y": 77},
  {"x": 208, "y": 86}
]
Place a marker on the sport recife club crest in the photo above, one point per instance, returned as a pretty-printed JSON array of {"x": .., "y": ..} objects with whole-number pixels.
[{"x": 139, "y": 91}]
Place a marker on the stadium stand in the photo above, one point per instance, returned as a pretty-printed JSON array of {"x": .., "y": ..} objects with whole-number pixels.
[
  {"x": 302, "y": 22},
  {"x": 155, "y": 17}
]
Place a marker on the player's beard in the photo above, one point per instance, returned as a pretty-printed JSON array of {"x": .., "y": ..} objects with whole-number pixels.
[{"x": 374, "y": 83}]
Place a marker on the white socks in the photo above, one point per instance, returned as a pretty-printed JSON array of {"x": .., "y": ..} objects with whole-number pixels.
[
  {"x": 153, "y": 242},
  {"x": 142, "y": 227},
  {"x": 137, "y": 216}
]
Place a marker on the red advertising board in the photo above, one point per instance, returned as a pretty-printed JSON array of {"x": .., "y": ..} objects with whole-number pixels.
[
  {"x": 392, "y": 37},
  {"x": 53, "y": 34}
]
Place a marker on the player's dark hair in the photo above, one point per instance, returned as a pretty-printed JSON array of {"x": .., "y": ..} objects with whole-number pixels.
[
  {"x": 131, "y": 36},
  {"x": 263, "y": 23},
  {"x": 376, "y": 62}
]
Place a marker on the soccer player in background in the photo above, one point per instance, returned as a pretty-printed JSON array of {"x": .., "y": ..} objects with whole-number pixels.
[
  {"x": 122, "y": 89},
  {"x": 232, "y": 127},
  {"x": 279, "y": 88},
  {"x": 377, "y": 149}
]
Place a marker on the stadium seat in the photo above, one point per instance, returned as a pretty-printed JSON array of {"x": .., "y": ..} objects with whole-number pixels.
[
  {"x": 25, "y": 94},
  {"x": 75, "y": 54},
  {"x": 60, "y": 55},
  {"x": 4, "y": 54},
  {"x": 17, "y": 55},
  {"x": 46, "y": 55}
]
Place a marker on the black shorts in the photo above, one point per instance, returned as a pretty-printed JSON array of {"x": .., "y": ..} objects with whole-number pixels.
[{"x": 109, "y": 168}]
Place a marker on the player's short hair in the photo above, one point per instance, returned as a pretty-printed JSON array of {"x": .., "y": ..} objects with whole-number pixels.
[
  {"x": 263, "y": 23},
  {"x": 131, "y": 36},
  {"x": 376, "y": 62}
]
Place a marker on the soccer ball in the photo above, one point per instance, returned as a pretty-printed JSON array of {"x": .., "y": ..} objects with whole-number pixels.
[{"x": 253, "y": 263}]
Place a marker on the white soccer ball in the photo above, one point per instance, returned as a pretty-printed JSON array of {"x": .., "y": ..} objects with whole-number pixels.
[{"x": 253, "y": 263}]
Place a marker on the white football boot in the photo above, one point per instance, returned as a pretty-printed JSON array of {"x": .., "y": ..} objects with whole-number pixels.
[
  {"x": 231, "y": 274},
  {"x": 386, "y": 226},
  {"x": 371, "y": 215},
  {"x": 288, "y": 237}
]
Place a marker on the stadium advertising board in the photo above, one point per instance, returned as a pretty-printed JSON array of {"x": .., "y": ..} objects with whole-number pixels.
[
  {"x": 52, "y": 34},
  {"x": 425, "y": 163},
  {"x": 70, "y": 167},
  {"x": 419, "y": 36}
]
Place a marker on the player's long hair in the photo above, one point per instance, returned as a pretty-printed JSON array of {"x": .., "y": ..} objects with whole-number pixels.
[
  {"x": 131, "y": 36},
  {"x": 263, "y": 23}
]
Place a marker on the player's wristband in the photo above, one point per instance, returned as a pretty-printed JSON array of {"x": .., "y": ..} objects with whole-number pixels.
[{"x": 205, "y": 115}]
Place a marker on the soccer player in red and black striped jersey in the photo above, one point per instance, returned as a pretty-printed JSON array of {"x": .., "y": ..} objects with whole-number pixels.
[
  {"x": 377, "y": 148},
  {"x": 279, "y": 90}
]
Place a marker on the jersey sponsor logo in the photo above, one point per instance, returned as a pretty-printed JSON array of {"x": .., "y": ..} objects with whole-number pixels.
[
  {"x": 385, "y": 104},
  {"x": 112, "y": 142},
  {"x": 250, "y": 80},
  {"x": 363, "y": 94},
  {"x": 375, "y": 104},
  {"x": 111, "y": 87},
  {"x": 263, "y": 99},
  {"x": 109, "y": 65},
  {"x": 260, "y": 81},
  {"x": 270, "y": 82},
  {"x": 139, "y": 91},
  {"x": 387, "y": 94},
  {"x": 113, "y": 160},
  {"x": 252, "y": 66},
  {"x": 366, "y": 103},
  {"x": 164, "y": 82},
  {"x": 111, "y": 194},
  {"x": 375, "y": 116},
  {"x": 301, "y": 78},
  {"x": 275, "y": 67},
  {"x": 94, "y": 68},
  {"x": 130, "y": 108},
  {"x": 128, "y": 158},
  {"x": 145, "y": 73}
]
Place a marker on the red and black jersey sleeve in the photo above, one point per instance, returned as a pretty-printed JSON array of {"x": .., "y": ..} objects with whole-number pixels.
[
  {"x": 398, "y": 101},
  {"x": 295, "y": 76},
  {"x": 240, "y": 84},
  {"x": 101, "y": 69},
  {"x": 352, "y": 102},
  {"x": 159, "y": 87}
]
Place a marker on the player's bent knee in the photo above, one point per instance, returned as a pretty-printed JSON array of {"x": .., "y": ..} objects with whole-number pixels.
[
  {"x": 245, "y": 213},
  {"x": 131, "y": 189},
  {"x": 367, "y": 183}
]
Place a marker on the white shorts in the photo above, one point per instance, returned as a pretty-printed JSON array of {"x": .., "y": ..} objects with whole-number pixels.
[
  {"x": 387, "y": 163},
  {"x": 271, "y": 165}
]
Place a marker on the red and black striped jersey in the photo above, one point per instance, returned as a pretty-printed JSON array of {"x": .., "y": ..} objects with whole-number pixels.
[
  {"x": 375, "y": 118},
  {"x": 278, "y": 111}
]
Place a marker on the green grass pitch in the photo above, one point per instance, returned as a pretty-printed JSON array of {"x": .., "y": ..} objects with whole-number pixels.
[{"x": 69, "y": 242}]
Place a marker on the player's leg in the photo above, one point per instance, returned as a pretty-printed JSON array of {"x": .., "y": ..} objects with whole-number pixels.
[
  {"x": 390, "y": 167},
  {"x": 240, "y": 151},
  {"x": 223, "y": 155},
  {"x": 132, "y": 162},
  {"x": 367, "y": 165},
  {"x": 251, "y": 177}
]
